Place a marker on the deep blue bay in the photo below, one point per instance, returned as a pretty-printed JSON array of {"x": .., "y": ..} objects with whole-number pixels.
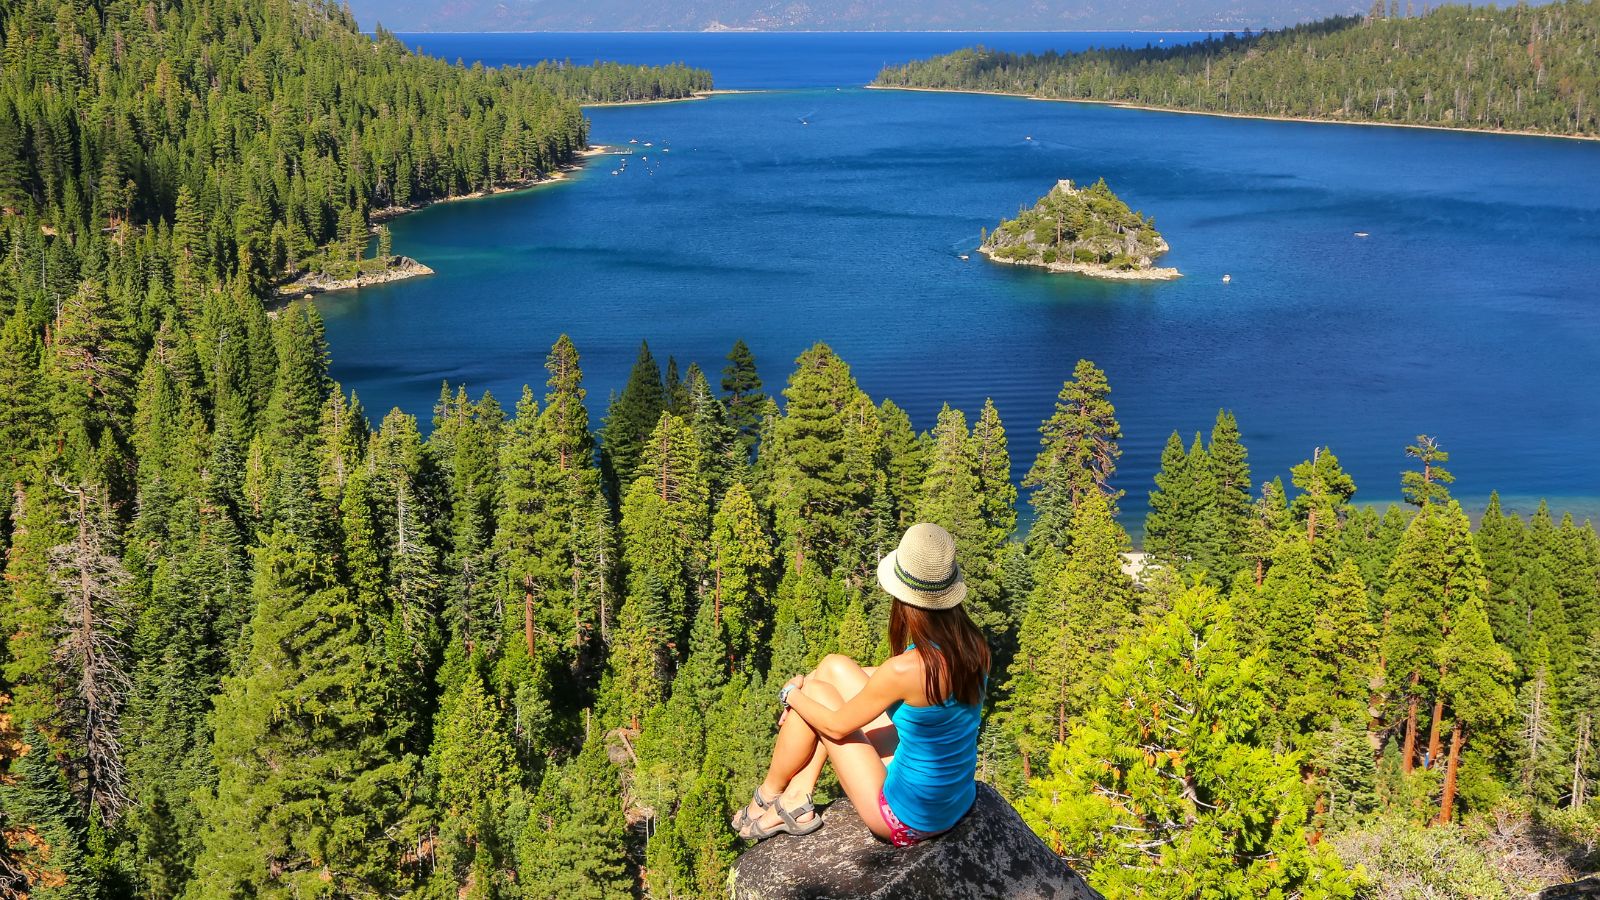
[{"x": 822, "y": 211}]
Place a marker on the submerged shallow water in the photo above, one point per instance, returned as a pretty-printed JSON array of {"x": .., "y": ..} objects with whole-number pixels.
[{"x": 833, "y": 213}]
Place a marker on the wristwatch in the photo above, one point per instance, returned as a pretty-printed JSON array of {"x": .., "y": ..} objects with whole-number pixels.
[{"x": 783, "y": 695}]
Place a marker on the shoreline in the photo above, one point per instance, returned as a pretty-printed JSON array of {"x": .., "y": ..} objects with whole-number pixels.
[
  {"x": 1121, "y": 104},
  {"x": 1154, "y": 273},
  {"x": 405, "y": 267},
  {"x": 697, "y": 95},
  {"x": 311, "y": 284},
  {"x": 388, "y": 213}
]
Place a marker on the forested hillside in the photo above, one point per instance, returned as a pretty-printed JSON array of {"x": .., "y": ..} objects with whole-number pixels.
[
  {"x": 1524, "y": 68},
  {"x": 252, "y": 645}
]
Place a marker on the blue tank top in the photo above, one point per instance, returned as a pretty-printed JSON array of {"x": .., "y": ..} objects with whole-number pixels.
[{"x": 931, "y": 782}]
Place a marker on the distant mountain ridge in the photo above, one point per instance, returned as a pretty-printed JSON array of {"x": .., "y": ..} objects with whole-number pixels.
[{"x": 841, "y": 15}]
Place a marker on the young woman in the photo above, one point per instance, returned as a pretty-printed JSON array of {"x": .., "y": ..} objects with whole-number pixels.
[{"x": 902, "y": 736}]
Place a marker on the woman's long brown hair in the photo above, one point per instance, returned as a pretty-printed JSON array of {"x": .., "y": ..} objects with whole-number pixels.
[{"x": 954, "y": 652}]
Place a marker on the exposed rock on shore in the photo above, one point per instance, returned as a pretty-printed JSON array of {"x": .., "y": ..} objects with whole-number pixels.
[{"x": 395, "y": 268}]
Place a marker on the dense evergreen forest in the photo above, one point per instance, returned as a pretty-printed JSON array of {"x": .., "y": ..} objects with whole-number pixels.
[
  {"x": 1525, "y": 68},
  {"x": 607, "y": 82},
  {"x": 251, "y": 645}
]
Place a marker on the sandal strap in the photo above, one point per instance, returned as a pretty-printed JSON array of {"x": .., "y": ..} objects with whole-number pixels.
[
  {"x": 755, "y": 797},
  {"x": 791, "y": 816}
]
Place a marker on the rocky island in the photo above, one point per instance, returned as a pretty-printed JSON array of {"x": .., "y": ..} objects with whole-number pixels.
[{"x": 1087, "y": 231}]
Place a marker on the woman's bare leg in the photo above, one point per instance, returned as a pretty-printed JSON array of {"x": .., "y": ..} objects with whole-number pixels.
[
  {"x": 849, "y": 677},
  {"x": 797, "y": 759},
  {"x": 799, "y": 752},
  {"x": 856, "y": 761}
]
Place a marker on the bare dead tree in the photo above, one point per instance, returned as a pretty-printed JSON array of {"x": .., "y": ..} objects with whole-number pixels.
[{"x": 89, "y": 578}]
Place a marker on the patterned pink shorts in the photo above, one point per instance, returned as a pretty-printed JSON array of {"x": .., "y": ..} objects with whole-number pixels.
[{"x": 899, "y": 834}]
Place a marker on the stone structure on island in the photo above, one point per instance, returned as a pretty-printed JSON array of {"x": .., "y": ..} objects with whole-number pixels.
[{"x": 990, "y": 855}]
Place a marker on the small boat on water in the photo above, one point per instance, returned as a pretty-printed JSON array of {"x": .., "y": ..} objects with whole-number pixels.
[
  {"x": 1227, "y": 278},
  {"x": 633, "y": 140},
  {"x": 1028, "y": 138},
  {"x": 1362, "y": 234},
  {"x": 648, "y": 144},
  {"x": 616, "y": 171},
  {"x": 965, "y": 257}
]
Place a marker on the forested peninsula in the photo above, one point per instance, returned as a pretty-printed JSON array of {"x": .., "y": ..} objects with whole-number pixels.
[
  {"x": 1087, "y": 231},
  {"x": 252, "y": 645},
  {"x": 1520, "y": 68}
]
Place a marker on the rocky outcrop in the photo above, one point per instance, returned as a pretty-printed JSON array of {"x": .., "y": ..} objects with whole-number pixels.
[
  {"x": 395, "y": 268},
  {"x": 990, "y": 855}
]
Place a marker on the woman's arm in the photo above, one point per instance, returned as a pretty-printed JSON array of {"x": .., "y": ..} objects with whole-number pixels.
[{"x": 890, "y": 682}]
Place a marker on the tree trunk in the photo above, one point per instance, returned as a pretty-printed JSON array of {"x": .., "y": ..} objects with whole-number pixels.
[
  {"x": 1448, "y": 802},
  {"x": 1435, "y": 738},
  {"x": 1580, "y": 784},
  {"x": 527, "y": 613}
]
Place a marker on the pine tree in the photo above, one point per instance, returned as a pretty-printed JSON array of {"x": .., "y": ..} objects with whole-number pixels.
[
  {"x": 1269, "y": 519},
  {"x": 1431, "y": 485},
  {"x": 472, "y": 760},
  {"x": 1161, "y": 540},
  {"x": 23, "y": 413},
  {"x": 816, "y": 497},
  {"x": 633, "y": 414},
  {"x": 1539, "y": 754},
  {"x": 1435, "y": 570},
  {"x": 294, "y": 411},
  {"x": 1584, "y": 699},
  {"x": 1230, "y": 470},
  {"x": 741, "y": 556},
  {"x": 51, "y": 852},
  {"x": 741, "y": 394},
  {"x": 572, "y": 845},
  {"x": 1282, "y": 616},
  {"x": 1077, "y": 455},
  {"x": 308, "y": 795},
  {"x": 951, "y": 499},
  {"x": 1325, "y": 491},
  {"x": 1473, "y": 683},
  {"x": 1073, "y": 622},
  {"x": 721, "y": 455},
  {"x": 1350, "y": 776},
  {"x": 1166, "y": 790},
  {"x": 993, "y": 466},
  {"x": 1183, "y": 530},
  {"x": 1343, "y": 645},
  {"x": 905, "y": 463},
  {"x": 90, "y": 580}
]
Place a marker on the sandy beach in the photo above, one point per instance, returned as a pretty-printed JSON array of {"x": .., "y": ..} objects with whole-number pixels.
[{"x": 697, "y": 95}]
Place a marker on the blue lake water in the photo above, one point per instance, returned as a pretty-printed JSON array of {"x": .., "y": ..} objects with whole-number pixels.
[{"x": 832, "y": 213}]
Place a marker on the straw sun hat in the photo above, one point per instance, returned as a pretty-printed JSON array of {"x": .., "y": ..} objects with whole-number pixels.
[{"x": 922, "y": 571}]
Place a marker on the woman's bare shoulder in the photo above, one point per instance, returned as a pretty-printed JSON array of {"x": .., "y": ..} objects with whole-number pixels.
[{"x": 904, "y": 667}]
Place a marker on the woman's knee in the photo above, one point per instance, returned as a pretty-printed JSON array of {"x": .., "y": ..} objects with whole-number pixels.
[
  {"x": 834, "y": 666},
  {"x": 823, "y": 692}
]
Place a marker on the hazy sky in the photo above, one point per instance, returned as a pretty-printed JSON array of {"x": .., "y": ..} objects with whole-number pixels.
[{"x": 842, "y": 15}]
